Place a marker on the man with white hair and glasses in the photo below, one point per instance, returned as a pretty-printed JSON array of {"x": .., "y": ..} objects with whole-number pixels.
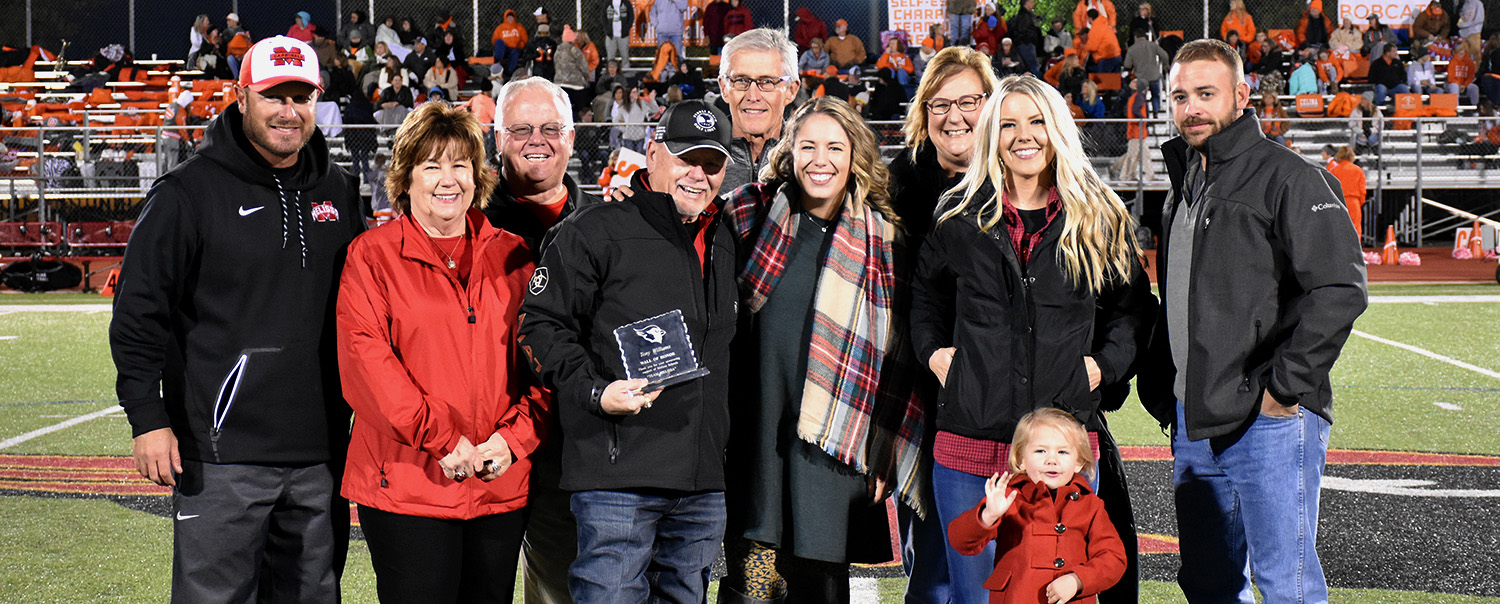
[
  {"x": 758, "y": 83},
  {"x": 534, "y": 135}
]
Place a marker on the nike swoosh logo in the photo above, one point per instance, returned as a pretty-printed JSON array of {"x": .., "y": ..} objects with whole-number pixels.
[
  {"x": 180, "y": 515},
  {"x": 245, "y": 212}
]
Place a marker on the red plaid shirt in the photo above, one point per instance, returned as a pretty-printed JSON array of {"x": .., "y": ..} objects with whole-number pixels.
[
  {"x": 978, "y": 457},
  {"x": 1022, "y": 242}
]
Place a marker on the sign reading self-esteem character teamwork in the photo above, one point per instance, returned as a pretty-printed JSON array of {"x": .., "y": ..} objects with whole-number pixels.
[{"x": 915, "y": 16}]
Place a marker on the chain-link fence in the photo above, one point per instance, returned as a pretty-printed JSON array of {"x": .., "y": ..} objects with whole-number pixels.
[{"x": 75, "y": 190}]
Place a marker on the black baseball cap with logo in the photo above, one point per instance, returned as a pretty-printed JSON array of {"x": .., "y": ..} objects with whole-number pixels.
[{"x": 693, "y": 124}]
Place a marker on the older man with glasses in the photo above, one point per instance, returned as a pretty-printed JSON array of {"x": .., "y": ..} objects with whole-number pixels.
[
  {"x": 758, "y": 83},
  {"x": 534, "y": 133}
]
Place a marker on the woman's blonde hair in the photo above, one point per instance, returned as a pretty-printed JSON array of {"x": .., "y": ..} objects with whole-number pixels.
[
  {"x": 869, "y": 178},
  {"x": 948, "y": 62},
  {"x": 433, "y": 128},
  {"x": 1098, "y": 244},
  {"x": 1077, "y": 437}
]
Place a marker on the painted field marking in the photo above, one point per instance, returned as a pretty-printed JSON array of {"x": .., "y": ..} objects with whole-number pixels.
[
  {"x": 90, "y": 307},
  {"x": 8, "y": 338},
  {"x": 864, "y": 589},
  {"x": 1404, "y": 487},
  {"x": 1432, "y": 299},
  {"x": 1447, "y": 406},
  {"x": 63, "y": 425},
  {"x": 1430, "y": 354}
]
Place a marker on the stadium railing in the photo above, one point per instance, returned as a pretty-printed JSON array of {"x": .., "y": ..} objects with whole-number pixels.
[{"x": 77, "y": 189}]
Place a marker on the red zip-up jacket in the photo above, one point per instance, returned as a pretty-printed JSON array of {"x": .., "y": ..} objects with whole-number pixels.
[{"x": 424, "y": 361}]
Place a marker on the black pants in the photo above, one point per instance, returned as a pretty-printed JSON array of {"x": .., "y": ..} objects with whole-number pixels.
[{"x": 436, "y": 561}]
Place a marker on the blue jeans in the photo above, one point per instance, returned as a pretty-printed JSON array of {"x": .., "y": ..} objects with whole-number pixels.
[
  {"x": 955, "y": 493},
  {"x": 1028, "y": 58},
  {"x": 960, "y": 27},
  {"x": 1155, "y": 97},
  {"x": 1251, "y": 505},
  {"x": 506, "y": 56},
  {"x": 1382, "y": 92},
  {"x": 638, "y": 547},
  {"x": 676, "y": 40},
  {"x": 923, "y": 543}
]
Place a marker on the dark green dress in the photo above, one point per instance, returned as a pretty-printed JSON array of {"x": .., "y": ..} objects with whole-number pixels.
[{"x": 793, "y": 497}]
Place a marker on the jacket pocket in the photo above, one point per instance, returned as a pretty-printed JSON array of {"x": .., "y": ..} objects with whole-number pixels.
[
  {"x": 997, "y": 581},
  {"x": 229, "y": 390}
]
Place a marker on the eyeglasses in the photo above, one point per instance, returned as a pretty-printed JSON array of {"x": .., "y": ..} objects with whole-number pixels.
[
  {"x": 550, "y": 130},
  {"x": 966, "y": 103},
  {"x": 766, "y": 84}
]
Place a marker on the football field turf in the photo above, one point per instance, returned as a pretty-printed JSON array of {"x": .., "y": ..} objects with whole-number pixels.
[{"x": 1408, "y": 511}]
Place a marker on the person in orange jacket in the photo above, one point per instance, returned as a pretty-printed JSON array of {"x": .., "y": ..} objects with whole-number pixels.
[
  {"x": 1352, "y": 183},
  {"x": 1314, "y": 27},
  {"x": 896, "y": 60},
  {"x": 1461, "y": 74},
  {"x": 1099, "y": 51},
  {"x": 1102, "y": 9},
  {"x": 508, "y": 40},
  {"x": 446, "y": 410},
  {"x": 1238, "y": 20},
  {"x": 1044, "y": 508}
]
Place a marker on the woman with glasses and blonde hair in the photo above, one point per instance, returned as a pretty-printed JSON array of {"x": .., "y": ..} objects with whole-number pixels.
[
  {"x": 940, "y": 136},
  {"x": 940, "y": 139},
  {"x": 825, "y": 425},
  {"x": 1029, "y": 293},
  {"x": 446, "y": 412}
]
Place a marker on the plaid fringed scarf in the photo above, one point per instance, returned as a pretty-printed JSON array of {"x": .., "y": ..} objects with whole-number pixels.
[{"x": 858, "y": 400}]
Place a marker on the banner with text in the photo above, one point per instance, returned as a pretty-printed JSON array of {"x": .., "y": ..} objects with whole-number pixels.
[
  {"x": 915, "y": 16},
  {"x": 1395, "y": 13}
]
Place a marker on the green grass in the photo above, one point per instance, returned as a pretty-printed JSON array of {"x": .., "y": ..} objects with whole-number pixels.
[{"x": 71, "y": 550}]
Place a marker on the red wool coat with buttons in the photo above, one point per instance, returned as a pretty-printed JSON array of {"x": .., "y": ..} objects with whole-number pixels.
[
  {"x": 1041, "y": 538},
  {"x": 424, "y": 360}
]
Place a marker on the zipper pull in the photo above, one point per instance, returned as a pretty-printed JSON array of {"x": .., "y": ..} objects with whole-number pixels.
[{"x": 471, "y": 315}]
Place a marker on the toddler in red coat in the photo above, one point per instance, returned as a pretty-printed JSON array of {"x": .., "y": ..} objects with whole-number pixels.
[{"x": 1053, "y": 541}]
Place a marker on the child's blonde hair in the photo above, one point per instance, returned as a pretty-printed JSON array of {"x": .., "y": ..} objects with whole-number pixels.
[{"x": 1065, "y": 423}]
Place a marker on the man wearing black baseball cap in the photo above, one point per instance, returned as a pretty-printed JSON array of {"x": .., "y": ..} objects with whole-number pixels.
[{"x": 645, "y": 466}]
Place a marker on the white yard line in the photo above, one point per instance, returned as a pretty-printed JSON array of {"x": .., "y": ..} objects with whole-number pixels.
[
  {"x": 1431, "y": 299},
  {"x": 63, "y": 425},
  {"x": 1430, "y": 354},
  {"x": 864, "y": 591},
  {"x": 1447, "y": 406},
  {"x": 91, "y": 307}
]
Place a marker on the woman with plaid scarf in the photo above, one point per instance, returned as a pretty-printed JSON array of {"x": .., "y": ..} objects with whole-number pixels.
[
  {"x": 825, "y": 427},
  {"x": 1029, "y": 293}
]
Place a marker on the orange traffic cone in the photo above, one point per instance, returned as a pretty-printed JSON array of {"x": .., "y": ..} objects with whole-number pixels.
[
  {"x": 109, "y": 284},
  {"x": 1389, "y": 255},
  {"x": 1476, "y": 243}
]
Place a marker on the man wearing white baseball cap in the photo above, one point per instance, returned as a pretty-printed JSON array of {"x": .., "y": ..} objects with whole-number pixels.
[{"x": 223, "y": 339}]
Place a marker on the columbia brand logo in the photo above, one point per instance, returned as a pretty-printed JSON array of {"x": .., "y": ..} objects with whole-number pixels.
[
  {"x": 325, "y": 212},
  {"x": 1324, "y": 206},
  {"x": 282, "y": 56}
]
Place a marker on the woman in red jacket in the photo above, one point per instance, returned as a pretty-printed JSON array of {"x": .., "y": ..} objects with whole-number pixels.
[
  {"x": 1043, "y": 507},
  {"x": 445, "y": 410}
]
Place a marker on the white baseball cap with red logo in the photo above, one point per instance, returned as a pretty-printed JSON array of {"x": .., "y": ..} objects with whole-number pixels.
[{"x": 279, "y": 59}]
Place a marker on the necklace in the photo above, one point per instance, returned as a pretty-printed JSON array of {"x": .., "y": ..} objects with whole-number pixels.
[
  {"x": 449, "y": 254},
  {"x": 817, "y": 222}
]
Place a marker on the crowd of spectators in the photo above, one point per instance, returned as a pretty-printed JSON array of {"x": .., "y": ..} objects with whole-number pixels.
[{"x": 1107, "y": 65}]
